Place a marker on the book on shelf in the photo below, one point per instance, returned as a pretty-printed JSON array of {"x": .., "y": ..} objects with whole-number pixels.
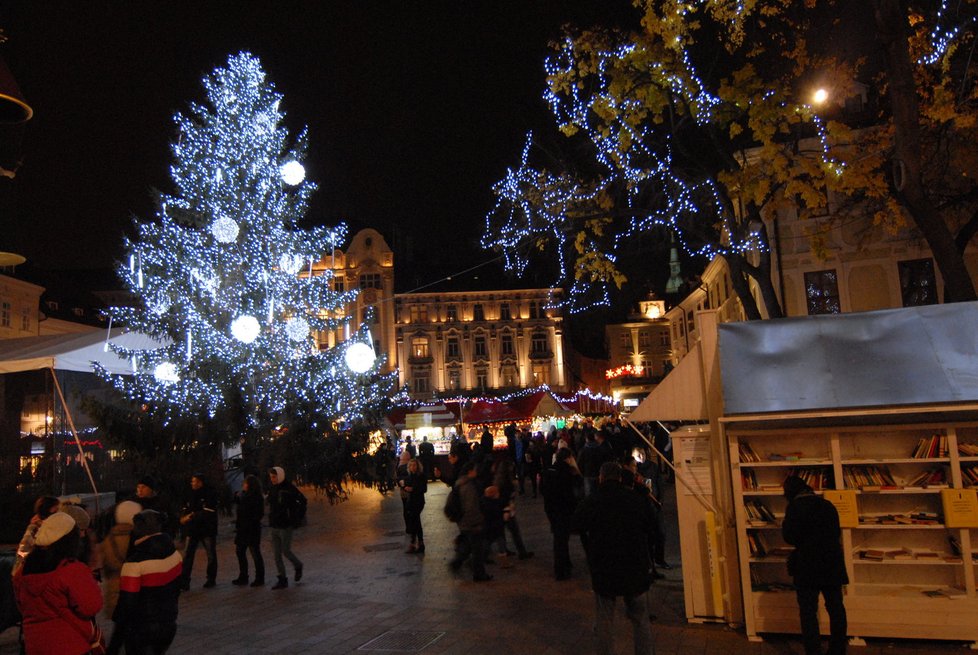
[
  {"x": 899, "y": 553},
  {"x": 931, "y": 478},
  {"x": 747, "y": 454},
  {"x": 748, "y": 480},
  {"x": 914, "y": 518},
  {"x": 758, "y": 513},
  {"x": 756, "y": 545},
  {"x": 874, "y": 554},
  {"x": 784, "y": 457},
  {"x": 969, "y": 475},
  {"x": 931, "y": 447},
  {"x": 944, "y": 592},
  {"x": 968, "y": 449},
  {"x": 868, "y": 477}
]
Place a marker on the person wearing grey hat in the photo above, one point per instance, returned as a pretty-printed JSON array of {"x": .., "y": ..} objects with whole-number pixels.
[{"x": 57, "y": 595}]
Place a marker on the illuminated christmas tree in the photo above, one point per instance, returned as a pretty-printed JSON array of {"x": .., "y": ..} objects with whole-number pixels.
[{"x": 224, "y": 277}]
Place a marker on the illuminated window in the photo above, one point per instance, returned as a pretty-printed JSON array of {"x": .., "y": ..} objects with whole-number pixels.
[
  {"x": 644, "y": 339},
  {"x": 421, "y": 380},
  {"x": 338, "y": 285},
  {"x": 541, "y": 374},
  {"x": 822, "y": 292},
  {"x": 477, "y": 313},
  {"x": 504, "y": 314},
  {"x": 506, "y": 344},
  {"x": 454, "y": 378},
  {"x": 452, "y": 348},
  {"x": 419, "y": 347},
  {"x": 534, "y": 309},
  {"x": 918, "y": 285},
  {"x": 451, "y": 313},
  {"x": 508, "y": 376},
  {"x": 479, "y": 345},
  {"x": 481, "y": 377}
]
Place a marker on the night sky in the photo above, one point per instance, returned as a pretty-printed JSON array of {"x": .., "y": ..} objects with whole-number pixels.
[{"x": 414, "y": 110}]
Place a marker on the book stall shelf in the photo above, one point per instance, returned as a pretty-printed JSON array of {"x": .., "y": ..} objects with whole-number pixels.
[{"x": 912, "y": 568}]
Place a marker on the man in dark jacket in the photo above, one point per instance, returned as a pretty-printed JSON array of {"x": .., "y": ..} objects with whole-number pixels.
[
  {"x": 149, "y": 588},
  {"x": 282, "y": 503},
  {"x": 199, "y": 518},
  {"x": 472, "y": 525},
  {"x": 811, "y": 525},
  {"x": 616, "y": 526},
  {"x": 562, "y": 488}
]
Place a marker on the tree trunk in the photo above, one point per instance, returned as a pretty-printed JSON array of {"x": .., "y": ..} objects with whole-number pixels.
[
  {"x": 891, "y": 25},
  {"x": 738, "y": 278}
]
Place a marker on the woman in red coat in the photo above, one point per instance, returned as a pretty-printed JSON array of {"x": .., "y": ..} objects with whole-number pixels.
[{"x": 57, "y": 595}]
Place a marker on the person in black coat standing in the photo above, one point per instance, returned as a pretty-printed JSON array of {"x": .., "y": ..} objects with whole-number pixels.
[
  {"x": 562, "y": 490},
  {"x": 616, "y": 526},
  {"x": 811, "y": 525},
  {"x": 247, "y": 532},
  {"x": 200, "y": 520}
]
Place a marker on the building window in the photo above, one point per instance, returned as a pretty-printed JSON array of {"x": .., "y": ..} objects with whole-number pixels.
[
  {"x": 539, "y": 342},
  {"x": 822, "y": 291},
  {"x": 624, "y": 340},
  {"x": 421, "y": 380},
  {"x": 5, "y": 314},
  {"x": 643, "y": 339},
  {"x": 541, "y": 374},
  {"x": 338, "y": 285},
  {"x": 534, "y": 309},
  {"x": 451, "y": 314},
  {"x": 477, "y": 313},
  {"x": 918, "y": 284},
  {"x": 25, "y": 319},
  {"x": 452, "y": 348},
  {"x": 419, "y": 347},
  {"x": 504, "y": 314},
  {"x": 506, "y": 344},
  {"x": 481, "y": 377},
  {"x": 508, "y": 376},
  {"x": 479, "y": 344},
  {"x": 370, "y": 281},
  {"x": 690, "y": 320},
  {"x": 664, "y": 338},
  {"x": 455, "y": 378},
  {"x": 419, "y": 313}
]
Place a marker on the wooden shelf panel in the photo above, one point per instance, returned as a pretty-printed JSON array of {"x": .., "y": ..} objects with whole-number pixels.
[{"x": 789, "y": 464}]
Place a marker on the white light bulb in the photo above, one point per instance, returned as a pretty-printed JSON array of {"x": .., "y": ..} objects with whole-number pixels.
[
  {"x": 225, "y": 230},
  {"x": 360, "y": 357},
  {"x": 292, "y": 173},
  {"x": 166, "y": 373},
  {"x": 297, "y": 328},
  {"x": 245, "y": 328}
]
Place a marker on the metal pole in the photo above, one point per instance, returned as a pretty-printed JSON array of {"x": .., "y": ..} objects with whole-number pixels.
[{"x": 74, "y": 432}]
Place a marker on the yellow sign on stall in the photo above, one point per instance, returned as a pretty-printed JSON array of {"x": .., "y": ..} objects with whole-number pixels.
[
  {"x": 960, "y": 508},
  {"x": 845, "y": 503}
]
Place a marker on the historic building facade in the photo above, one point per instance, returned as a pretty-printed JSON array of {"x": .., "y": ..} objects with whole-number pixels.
[{"x": 479, "y": 341}]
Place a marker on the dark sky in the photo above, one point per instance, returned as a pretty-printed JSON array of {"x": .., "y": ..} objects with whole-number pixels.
[{"x": 414, "y": 110}]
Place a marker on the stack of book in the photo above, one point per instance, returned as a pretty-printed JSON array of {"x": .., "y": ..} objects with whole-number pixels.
[
  {"x": 758, "y": 514},
  {"x": 968, "y": 449},
  {"x": 747, "y": 453},
  {"x": 756, "y": 544},
  {"x": 936, "y": 477},
  {"x": 915, "y": 518},
  {"x": 931, "y": 447},
  {"x": 868, "y": 477},
  {"x": 748, "y": 480},
  {"x": 969, "y": 475}
]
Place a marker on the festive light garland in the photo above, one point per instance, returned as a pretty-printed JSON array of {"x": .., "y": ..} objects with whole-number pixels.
[{"x": 218, "y": 272}]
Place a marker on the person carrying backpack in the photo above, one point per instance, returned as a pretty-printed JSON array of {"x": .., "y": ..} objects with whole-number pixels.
[{"x": 286, "y": 511}]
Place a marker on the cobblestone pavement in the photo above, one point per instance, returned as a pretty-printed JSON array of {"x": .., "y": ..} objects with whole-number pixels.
[{"x": 361, "y": 593}]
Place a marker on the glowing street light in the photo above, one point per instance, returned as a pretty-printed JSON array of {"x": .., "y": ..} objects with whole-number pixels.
[{"x": 820, "y": 96}]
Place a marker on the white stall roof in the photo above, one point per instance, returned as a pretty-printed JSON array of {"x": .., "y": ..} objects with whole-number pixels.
[
  {"x": 895, "y": 357},
  {"x": 70, "y": 352}
]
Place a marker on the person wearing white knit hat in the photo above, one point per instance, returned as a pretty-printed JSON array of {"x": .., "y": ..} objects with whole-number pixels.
[
  {"x": 57, "y": 595},
  {"x": 114, "y": 548}
]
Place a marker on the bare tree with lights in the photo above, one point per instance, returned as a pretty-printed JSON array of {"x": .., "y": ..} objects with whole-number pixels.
[{"x": 224, "y": 279}]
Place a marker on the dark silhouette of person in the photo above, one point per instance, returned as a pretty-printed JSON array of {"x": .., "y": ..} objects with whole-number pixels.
[{"x": 811, "y": 525}]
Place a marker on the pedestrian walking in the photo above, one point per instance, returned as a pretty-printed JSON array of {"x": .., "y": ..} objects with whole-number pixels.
[
  {"x": 562, "y": 488},
  {"x": 199, "y": 518},
  {"x": 472, "y": 542},
  {"x": 149, "y": 588},
  {"x": 247, "y": 532},
  {"x": 616, "y": 527},
  {"x": 285, "y": 503},
  {"x": 811, "y": 525},
  {"x": 114, "y": 549}
]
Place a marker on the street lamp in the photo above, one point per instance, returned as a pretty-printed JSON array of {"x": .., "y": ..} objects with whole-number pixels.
[{"x": 820, "y": 96}]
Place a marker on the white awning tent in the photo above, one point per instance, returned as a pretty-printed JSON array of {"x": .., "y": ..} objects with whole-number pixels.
[
  {"x": 680, "y": 395},
  {"x": 71, "y": 352}
]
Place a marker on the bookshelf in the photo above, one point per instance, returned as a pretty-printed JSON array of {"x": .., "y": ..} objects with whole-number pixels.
[{"x": 910, "y": 575}]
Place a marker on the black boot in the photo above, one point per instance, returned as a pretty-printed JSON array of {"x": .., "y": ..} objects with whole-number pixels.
[
  {"x": 240, "y": 581},
  {"x": 282, "y": 583}
]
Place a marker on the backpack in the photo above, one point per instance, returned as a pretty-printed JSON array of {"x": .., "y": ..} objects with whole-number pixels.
[
  {"x": 298, "y": 510},
  {"x": 453, "y": 506}
]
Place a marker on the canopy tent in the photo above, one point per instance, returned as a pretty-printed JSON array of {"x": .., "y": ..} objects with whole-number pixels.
[
  {"x": 71, "y": 352},
  {"x": 490, "y": 411},
  {"x": 539, "y": 403},
  {"x": 680, "y": 395}
]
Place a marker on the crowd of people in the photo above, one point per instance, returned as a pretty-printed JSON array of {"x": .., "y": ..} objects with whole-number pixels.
[{"x": 133, "y": 560}]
